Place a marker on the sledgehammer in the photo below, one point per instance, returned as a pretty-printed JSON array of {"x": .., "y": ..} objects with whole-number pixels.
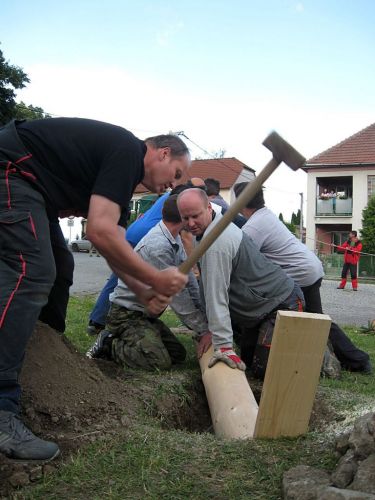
[
  {"x": 281, "y": 151},
  {"x": 233, "y": 407}
]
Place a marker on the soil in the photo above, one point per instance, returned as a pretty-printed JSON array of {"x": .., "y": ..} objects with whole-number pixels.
[
  {"x": 72, "y": 400},
  {"x": 67, "y": 398}
]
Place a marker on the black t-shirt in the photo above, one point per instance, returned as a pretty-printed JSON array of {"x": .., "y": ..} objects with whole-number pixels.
[{"x": 73, "y": 158}]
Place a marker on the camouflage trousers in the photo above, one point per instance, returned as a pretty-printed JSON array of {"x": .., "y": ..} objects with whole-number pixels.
[{"x": 142, "y": 342}]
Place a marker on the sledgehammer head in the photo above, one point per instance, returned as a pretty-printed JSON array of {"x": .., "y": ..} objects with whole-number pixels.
[{"x": 283, "y": 151}]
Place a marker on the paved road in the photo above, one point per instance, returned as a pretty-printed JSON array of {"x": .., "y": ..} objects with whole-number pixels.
[
  {"x": 347, "y": 307},
  {"x": 90, "y": 274},
  {"x": 344, "y": 306}
]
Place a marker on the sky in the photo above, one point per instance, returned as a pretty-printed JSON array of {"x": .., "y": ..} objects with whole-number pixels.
[{"x": 224, "y": 73}]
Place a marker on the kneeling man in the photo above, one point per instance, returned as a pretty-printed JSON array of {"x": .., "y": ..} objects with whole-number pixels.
[
  {"x": 131, "y": 337},
  {"x": 242, "y": 289}
]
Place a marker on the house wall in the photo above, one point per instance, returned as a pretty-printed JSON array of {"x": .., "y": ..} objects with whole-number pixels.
[
  {"x": 360, "y": 197},
  {"x": 323, "y": 238},
  {"x": 226, "y": 194},
  {"x": 359, "y": 201},
  {"x": 245, "y": 176}
]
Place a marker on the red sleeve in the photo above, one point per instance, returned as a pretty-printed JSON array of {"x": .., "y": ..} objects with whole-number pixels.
[
  {"x": 342, "y": 247},
  {"x": 358, "y": 248}
]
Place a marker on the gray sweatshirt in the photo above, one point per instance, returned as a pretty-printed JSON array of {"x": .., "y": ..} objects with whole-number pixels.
[
  {"x": 278, "y": 244},
  {"x": 161, "y": 250},
  {"x": 238, "y": 280}
]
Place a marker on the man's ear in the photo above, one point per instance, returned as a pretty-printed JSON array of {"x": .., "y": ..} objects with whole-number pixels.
[{"x": 164, "y": 153}]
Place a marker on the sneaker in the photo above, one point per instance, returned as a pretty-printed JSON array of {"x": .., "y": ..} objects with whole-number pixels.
[
  {"x": 17, "y": 441},
  {"x": 101, "y": 348},
  {"x": 355, "y": 289},
  {"x": 93, "y": 328},
  {"x": 340, "y": 288}
]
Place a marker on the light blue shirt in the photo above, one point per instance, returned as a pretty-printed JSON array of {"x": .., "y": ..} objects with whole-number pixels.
[{"x": 160, "y": 249}]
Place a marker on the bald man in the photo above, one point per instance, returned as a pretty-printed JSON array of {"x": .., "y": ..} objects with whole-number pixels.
[{"x": 242, "y": 289}]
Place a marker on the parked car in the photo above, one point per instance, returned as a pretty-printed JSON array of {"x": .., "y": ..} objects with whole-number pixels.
[{"x": 81, "y": 245}]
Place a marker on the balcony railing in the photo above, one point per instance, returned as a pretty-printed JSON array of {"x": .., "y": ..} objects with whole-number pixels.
[{"x": 334, "y": 207}]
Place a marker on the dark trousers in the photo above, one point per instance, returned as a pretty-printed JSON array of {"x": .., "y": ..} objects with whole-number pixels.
[
  {"x": 349, "y": 267},
  {"x": 27, "y": 274},
  {"x": 54, "y": 312},
  {"x": 254, "y": 337},
  {"x": 101, "y": 308},
  {"x": 350, "y": 357}
]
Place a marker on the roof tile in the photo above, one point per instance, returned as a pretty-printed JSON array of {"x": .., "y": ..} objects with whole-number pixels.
[
  {"x": 356, "y": 149},
  {"x": 225, "y": 170}
]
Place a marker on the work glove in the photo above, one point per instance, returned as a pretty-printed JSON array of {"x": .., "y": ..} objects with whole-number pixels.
[{"x": 227, "y": 356}]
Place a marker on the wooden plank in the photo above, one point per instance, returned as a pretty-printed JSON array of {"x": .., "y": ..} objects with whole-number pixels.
[
  {"x": 292, "y": 374},
  {"x": 232, "y": 403}
]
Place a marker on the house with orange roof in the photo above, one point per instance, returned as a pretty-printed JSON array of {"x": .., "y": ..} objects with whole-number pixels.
[
  {"x": 340, "y": 181},
  {"x": 228, "y": 171}
]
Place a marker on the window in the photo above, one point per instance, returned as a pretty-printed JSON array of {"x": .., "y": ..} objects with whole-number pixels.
[
  {"x": 370, "y": 185},
  {"x": 339, "y": 237}
]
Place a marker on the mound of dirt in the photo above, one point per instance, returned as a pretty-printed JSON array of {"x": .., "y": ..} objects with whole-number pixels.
[
  {"x": 57, "y": 380},
  {"x": 69, "y": 399}
]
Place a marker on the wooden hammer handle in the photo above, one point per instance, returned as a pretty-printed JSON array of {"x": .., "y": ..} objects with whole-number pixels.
[{"x": 247, "y": 194}]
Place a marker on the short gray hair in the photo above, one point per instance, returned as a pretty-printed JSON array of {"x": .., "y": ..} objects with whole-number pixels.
[{"x": 176, "y": 145}]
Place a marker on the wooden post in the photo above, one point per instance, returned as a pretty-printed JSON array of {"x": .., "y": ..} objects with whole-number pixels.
[
  {"x": 292, "y": 376},
  {"x": 232, "y": 404}
]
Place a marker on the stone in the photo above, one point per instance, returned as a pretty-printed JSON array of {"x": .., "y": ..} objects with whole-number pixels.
[
  {"x": 303, "y": 483},
  {"x": 30, "y": 412},
  {"x": 124, "y": 419},
  {"x": 36, "y": 473},
  {"x": 342, "y": 442},
  {"x": 48, "y": 469},
  {"x": 331, "y": 366},
  {"x": 332, "y": 493},
  {"x": 364, "y": 480},
  {"x": 345, "y": 470},
  {"x": 19, "y": 479},
  {"x": 18, "y": 467},
  {"x": 362, "y": 439}
]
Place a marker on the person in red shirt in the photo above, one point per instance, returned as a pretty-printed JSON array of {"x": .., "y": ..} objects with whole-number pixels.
[{"x": 351, "y": 249}]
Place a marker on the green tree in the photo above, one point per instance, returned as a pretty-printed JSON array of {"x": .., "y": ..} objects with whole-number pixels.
[
  {"x": 368, "y": 227},
  {"x": 24, "y": 112},
  {"x": 290, "y": 226},
  {"x": 11, "y": 78},
  {"x": 296, "y": 218}
]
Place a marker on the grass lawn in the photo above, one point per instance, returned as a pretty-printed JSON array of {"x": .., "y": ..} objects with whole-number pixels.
[{"x": 151, "y": 461}]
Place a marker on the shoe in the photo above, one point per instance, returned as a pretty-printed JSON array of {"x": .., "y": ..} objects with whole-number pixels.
[
  {"x": 93, "y": 328},
  {"x": 367, "y": 369},
  {"x": 17, "y": 441},
  {"x": 340, "y": 288},
  {"x": 101, "y": 348},
  {"x": 355, "y": 289}
]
